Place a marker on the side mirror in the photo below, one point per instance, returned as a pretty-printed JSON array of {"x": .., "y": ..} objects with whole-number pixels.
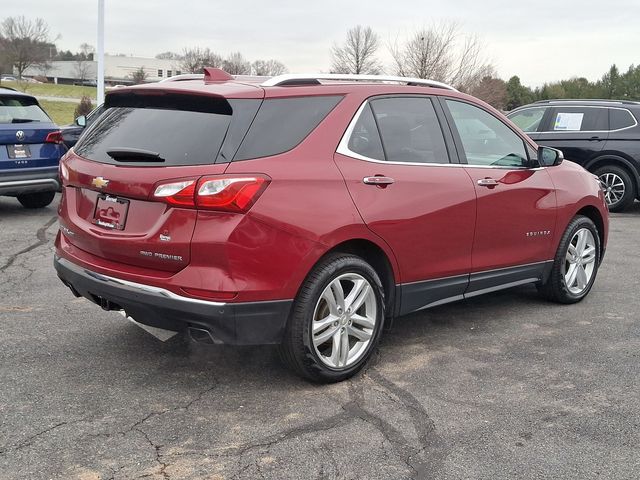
[
  {"x": 81, "y": 121},
  {"x": 549, "y": 157}
]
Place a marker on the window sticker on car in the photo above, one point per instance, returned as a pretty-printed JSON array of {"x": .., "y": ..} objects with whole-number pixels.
[{"x": 568, "y": 121}]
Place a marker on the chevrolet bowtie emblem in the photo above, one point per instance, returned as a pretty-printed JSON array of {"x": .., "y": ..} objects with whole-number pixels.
[{"x": 99, "y": 182}]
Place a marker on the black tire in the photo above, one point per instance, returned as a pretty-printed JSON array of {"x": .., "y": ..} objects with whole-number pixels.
[
  {"x": 555, "y": 288},
  {"x": 297, "y": 349},
  {"x": 36, "y": 200},
  {"x": 629, "y": 188}
]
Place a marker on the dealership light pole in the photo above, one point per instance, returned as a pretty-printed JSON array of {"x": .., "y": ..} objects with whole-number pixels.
[{"x": 100, "y": 79}]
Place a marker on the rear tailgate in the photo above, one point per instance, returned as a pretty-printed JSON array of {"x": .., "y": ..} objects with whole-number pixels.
[
  {"x": 144, "y": 140},
  {"x": 23, "y": 146}
]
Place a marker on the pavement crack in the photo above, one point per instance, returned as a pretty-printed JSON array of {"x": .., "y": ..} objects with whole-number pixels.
[
  {"x": 41, "y": 236},
  {"x": 29, "y": 441}
]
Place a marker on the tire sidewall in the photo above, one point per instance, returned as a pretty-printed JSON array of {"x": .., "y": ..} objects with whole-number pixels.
[{"x": 349, "y": 264}]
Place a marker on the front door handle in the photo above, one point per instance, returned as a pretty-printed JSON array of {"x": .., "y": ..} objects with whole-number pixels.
[
  {"x": 488, "y": 182},
  {"x": 378, "y": 180}
]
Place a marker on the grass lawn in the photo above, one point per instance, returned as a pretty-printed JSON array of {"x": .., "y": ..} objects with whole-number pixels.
[
  {"x": 60, "y": 112},
  {"x": 53, "y": 90}
]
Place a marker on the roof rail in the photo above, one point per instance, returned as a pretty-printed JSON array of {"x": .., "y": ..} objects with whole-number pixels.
[
  {"x": 589, "y": 100},
  {"x": 8, "y": 88},
  {"x": 313, "y": 78},
  {"x": 201, "y": 76}
]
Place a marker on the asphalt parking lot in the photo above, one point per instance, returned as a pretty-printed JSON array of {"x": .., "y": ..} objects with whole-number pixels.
[{"x": 500, "y": 387}]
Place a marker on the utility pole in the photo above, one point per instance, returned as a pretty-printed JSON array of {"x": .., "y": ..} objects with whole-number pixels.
[{"x": 100, "y": 79}]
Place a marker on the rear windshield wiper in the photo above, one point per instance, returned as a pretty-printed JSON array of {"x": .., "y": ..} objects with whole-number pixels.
[
  {"x": 22, "y": 120},
  {"x": 124, "y": 154}
]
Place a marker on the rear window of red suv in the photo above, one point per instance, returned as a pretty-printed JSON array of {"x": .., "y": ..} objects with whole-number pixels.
[{"x": 180, "y": 129}]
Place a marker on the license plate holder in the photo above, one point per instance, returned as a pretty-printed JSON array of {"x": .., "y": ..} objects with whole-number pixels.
[
  {"x": 18, "y": 152},
  {"x": 111, "y": 212}
]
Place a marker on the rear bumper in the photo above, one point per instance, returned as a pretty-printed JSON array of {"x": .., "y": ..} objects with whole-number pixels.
[
  {"x": 252, "y": 323},
  {"x": 18, "y": 183}
]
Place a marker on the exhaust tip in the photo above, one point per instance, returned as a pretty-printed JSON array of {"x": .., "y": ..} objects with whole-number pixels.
[{"x": 202, "y": 335}]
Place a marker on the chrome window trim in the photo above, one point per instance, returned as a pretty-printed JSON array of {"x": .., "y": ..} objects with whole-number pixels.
[
  {"x": 580, "y": 131},
  {"x": 343, "y": 149}
]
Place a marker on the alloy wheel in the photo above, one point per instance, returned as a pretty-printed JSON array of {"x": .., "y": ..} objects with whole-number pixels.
[
  {"x": 613, "y": 186},
  {"x": 579, "y": 265},
  {"x": 344, "y": 320}
]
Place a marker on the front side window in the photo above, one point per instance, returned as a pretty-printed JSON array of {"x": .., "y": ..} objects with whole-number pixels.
[
  {"x": 579, "y": 119},
  {"x": 528, "y": 120},
  {"x": 410, "y": 130},
  {"x": 485, "y": 139}
]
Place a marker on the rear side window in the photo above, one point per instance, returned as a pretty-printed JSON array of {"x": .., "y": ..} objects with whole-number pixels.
[
  {"x": 410, "y": 130},
  {"x": 580, "y": 119},
  {"x": 282, "y": 123},
  {"x": 528, "y": 119},
  {"x": 21, "y": 110},
  {"x": 365, "y": 139},
  {"x": 620, "y": 118},
  {"x": 181, "y": 129}
]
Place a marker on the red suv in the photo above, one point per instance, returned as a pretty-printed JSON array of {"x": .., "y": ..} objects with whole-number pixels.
[{"x": 309, "y": 211}]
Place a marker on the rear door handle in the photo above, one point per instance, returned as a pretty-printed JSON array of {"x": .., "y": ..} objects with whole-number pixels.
[
  {"x": 488, "y": 182},
  {"x": 378, "y": 180}
]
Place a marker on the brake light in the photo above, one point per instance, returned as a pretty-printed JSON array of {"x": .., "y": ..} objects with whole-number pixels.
[
  {"x": 54, "y": 137},
  {"x": 226, "y": 194},
  {"x": 235, "y": 194},
  {"x": 180, "y": 194}
]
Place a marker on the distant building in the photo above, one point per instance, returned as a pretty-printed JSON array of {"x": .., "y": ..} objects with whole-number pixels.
[{"x": 118, "y": 70}]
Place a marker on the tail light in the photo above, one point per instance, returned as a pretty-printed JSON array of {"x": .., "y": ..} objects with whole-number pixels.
[
  {"x": 54, "y": 137},
  {"x": 227, "y": 194}
]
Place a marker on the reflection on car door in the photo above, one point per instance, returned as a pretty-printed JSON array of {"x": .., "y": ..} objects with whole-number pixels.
[
  {"x": 396, "y": 166},
  {"x": 516, "y": 205}
]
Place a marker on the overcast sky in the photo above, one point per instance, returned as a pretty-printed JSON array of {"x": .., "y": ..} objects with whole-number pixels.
[{"x": 538, "y": 40}]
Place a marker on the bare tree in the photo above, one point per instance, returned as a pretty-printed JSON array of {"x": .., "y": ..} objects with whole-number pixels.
[
  {"x": 194, "y": 59},
  {"x": 235, "y": 64},
  {"x": 268, "y": 67},
  {"x": 24, "y": 42},
  {"x": 358, "y": 53},
  {"x": 442, "y": 53},
  {"x": 492, "y": 90},
  {"x": 83, "y": 65}
]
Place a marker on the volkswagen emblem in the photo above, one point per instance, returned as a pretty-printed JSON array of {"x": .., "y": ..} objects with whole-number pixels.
[{"x": 20, "y": 135}]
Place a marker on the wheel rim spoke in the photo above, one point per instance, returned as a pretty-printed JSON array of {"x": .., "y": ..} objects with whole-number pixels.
[
  {"x": 357, "y": 296},
  {"x": 361, "y": 335},
  {"x": 324, "y": 336},
  {"x": 320, "y": 325}
]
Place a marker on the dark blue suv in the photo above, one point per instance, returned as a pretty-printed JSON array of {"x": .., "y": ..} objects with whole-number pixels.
[{"x": 30, "y": 150}]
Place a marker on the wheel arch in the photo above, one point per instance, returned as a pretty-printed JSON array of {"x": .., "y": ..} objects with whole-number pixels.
[
  {"x": 594, "y": 215},
  {"x": 378, "y": 258},
  {"x": 617, "y": 160}
]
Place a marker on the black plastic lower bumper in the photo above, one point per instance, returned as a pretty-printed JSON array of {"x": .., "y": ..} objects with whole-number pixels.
[
  {"x": 21, "y": 182},
  {"x": 232, "y": 323}
]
